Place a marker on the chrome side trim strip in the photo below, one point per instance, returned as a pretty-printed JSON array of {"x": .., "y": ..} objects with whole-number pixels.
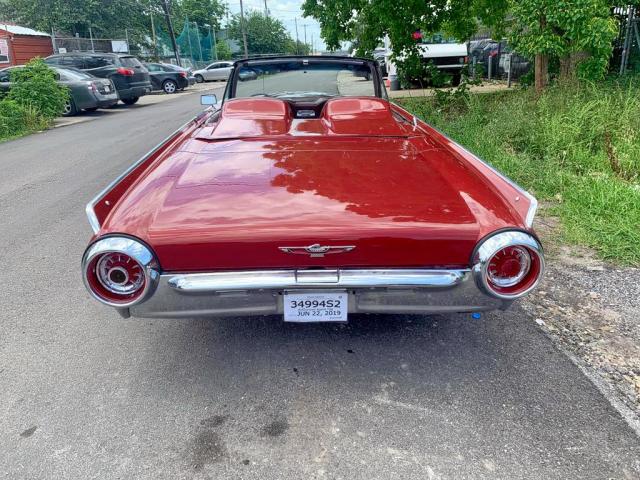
[
  {"x": 282, "y": 279},
  {"x": 533, "y": 202},
  {"x": 89, "y": 209},
  {"x": 533, "y": 207}
]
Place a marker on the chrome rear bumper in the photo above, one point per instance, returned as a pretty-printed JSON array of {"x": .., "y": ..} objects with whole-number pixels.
[{"x": 417, "y": 291}]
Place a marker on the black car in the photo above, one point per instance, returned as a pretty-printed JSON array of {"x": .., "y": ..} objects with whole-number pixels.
[
  {"x": 86, "y": 92},
  {"x": 129, "y": 76},
  {"x": 169, "y": 78}
]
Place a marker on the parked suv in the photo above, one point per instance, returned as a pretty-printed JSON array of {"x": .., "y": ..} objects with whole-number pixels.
[{"x": 129, "y": 76}]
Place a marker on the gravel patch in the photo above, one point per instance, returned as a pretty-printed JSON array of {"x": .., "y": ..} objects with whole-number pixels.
[{"x": 591, "y": 309}]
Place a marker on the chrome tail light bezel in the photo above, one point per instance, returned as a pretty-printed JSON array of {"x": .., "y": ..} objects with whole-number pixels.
[
  {"x": 491, "y": 245},
  {"x": 131, "y": 247}
]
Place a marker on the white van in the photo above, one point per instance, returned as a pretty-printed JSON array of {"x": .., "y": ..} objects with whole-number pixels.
[{"x": 447, "y": 54}]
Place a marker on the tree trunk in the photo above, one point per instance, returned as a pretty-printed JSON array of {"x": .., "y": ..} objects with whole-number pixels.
[
  {"x": 567, "y": 69},
  {"x": 541, "y": 62},
  {"x": 541, "y": 71},
  {"x": 569, "y": 66}
]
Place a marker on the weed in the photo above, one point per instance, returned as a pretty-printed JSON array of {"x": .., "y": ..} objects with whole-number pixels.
[{"x": 577, "y": 147}]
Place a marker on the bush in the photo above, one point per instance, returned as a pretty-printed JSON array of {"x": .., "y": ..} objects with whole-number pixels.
[
  {"x": 35, "y": 86},
  {"x": 576, "y": 147},
  {"x": 16, "y": 119}
]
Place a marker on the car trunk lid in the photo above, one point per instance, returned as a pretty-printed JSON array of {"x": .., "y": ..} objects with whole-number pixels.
[{"x": 238, "y": 204}]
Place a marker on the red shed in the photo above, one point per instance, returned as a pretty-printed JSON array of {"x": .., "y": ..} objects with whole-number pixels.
[{"x": 18, "y": 45}]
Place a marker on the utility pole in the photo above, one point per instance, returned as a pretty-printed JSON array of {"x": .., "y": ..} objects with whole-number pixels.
[
  {"x": 266, "y": 10},
  {"x": 172, "y": 35},
  {"x": 297, "y": 39},
  {"x": 91, "y": 37},
  {"x": 312, "y": 44},
  {"x": 212, "y": 41},
  {"x": 155, "y": 40},
  {"x": 53, "y": 39},
  {"x": 305, "y": 34},
  {"x": 244, "y": 32}
]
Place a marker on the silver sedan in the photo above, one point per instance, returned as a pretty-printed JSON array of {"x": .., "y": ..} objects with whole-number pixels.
[{"x": 215, "y": 71}]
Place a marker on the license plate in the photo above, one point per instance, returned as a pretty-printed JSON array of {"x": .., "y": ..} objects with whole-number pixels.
[{"x": 315, "y": 307}]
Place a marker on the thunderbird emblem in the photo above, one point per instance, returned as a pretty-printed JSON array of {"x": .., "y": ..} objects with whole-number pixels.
[{"x": 317, "y": 250}]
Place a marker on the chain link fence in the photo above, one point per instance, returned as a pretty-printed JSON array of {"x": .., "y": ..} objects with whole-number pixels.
[
  {"x": 626, "y": 47},
  {"x": 79, "y": 44},
  {"x": 198, "y": 45},
  {"x": 496, "y": 60}
]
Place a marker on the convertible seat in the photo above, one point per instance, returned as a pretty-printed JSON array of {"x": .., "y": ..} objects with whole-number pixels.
[
  {"x": 268, "y": 117},
  {"x": 253, "y": 117}
]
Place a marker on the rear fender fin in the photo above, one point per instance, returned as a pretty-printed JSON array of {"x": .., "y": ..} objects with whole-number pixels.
[{"x": 99, "y": 208}]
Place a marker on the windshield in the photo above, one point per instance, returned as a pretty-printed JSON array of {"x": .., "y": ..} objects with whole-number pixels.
[
  {"x": 130, "y": 62},
  {"x": 438, "y": 39},
  {"x": 74, "y": 74},
  {"x": 295, "y": 79}
]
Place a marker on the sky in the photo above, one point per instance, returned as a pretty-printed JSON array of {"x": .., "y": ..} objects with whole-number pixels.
[{"x": 286, "y": 11}]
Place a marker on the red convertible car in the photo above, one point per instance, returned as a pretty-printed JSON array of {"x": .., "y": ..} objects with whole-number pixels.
[{"x": 305, "y": 192}]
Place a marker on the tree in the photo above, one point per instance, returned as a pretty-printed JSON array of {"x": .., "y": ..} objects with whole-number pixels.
[
  {"x": 203, "y": 12},
  {"x": 297, "y": 48},
  {"x": 223, "y": 51},
  {"x": 366, "y": 22},
  {"x": 109, "y": 18},
  {"x": 106, "y": 18},
  {"x": 577, "y": 32},
  {"x": 265, "y": 34}
]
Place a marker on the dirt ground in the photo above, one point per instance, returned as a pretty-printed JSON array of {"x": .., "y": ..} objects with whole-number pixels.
[
  {"x": 591, "y": 309},
  {"x": 484, "y": 87}
]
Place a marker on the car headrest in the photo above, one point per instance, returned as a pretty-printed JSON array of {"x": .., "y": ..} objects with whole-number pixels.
[
  {"x": 252, "y": 108},
  {"x": 345, "y": 108}
]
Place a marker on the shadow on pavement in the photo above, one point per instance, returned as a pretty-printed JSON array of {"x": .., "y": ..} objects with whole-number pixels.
[{"x": 447, "y": 394}]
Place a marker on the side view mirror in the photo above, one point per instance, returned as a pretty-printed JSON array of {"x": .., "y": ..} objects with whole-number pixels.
[{"x": 208, "y": 99}]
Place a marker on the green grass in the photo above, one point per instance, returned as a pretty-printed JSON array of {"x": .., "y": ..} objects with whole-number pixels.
[
  {"x": 577, "y": 148},
  {"x": 17, "y": 120}
]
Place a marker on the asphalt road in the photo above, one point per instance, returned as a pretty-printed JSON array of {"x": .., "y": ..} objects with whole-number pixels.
[
  {"x": 85, "y": 394},
  {"x": 294, "y": 81}
]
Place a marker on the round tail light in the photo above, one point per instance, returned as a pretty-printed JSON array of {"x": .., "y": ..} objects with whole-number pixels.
[
  {"x": 508, "y": 264},
  {"x": 120, "y": 271}
]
